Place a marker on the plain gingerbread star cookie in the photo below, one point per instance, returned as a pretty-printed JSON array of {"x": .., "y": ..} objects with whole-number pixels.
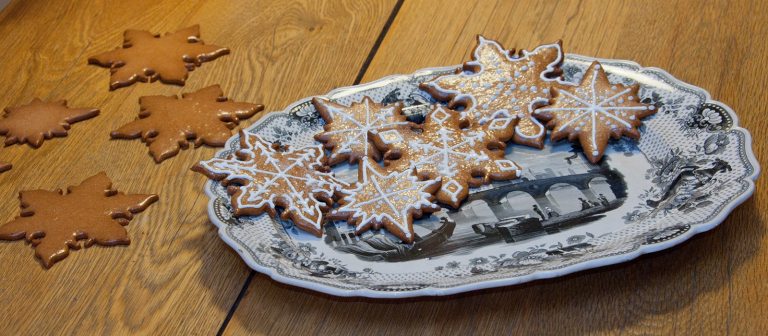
[
  {"x": 595, "y": 110},
  {"x": 38, "y": 121},
  {"x": 167, "y": 123},
  {"x": 146, "y": 57},
  {"x": 54, "y": 221}
]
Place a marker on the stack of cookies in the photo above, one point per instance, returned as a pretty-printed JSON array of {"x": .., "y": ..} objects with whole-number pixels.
[{"x": 405, "y": 169}]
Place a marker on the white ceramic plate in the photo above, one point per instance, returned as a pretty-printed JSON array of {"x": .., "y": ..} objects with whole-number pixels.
[{"x": 692, "y": 166}]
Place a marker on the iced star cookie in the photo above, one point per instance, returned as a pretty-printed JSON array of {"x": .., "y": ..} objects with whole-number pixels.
[
  {"x": 500, "y": 83},
  {"x": 260, "y": 179},
  {"x": 451, "y": 148},
  {"x": 386, "y": 199},
  {"x": 346, "y": 130},
  {"x": 593, "y": 111}
]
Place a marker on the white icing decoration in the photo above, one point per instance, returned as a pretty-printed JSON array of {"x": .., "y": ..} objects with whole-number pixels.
[
  {"x": 452, "y": 188},
  {"x": 507, "y": 165},
  {"x": 390, "y": 136}
]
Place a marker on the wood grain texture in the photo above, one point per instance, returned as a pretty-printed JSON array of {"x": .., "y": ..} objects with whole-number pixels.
[
  {"x": 177, "y": 276},
  {"x": 713, "y": 284}
]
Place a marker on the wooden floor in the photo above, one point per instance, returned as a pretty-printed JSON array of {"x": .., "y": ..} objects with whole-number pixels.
[{"x": 178, "y": 277}]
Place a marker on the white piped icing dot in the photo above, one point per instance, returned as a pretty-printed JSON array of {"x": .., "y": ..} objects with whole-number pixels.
[
  {"x": 621, "y": 101},
  {"x": 546, "y": 90},
  {"x": 597, "y": 67},
  {"x": 523, "y": 87},
  {"x": 595, "y": 153},
  {"x": 534, "y": 89},
  {"x": 485, "y": 106},
  {"x": 651, "y": 107},
  {"x": 614, "y": 88},
  {"x": 517, "y": 108},
  {"x": 632, "y": 117},
  {"x": 631, "y": 98},
  {"x": 523, "y": 68}
]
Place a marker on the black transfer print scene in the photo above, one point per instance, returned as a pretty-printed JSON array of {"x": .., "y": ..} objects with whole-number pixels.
[{"x": 556, "y": 192}]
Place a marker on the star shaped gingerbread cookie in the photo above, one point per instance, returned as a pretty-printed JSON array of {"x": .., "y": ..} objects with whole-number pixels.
[
  {"x": 453, "y": 149},
  {"x": 594, "y": 111},
  {"x": 167, "y": 124},
  {"x": 500, "y": 83},
  {"x": 347, "y": 127},
  {"x": 147, "y": 57},
  {"x": 386, "y": 199},
  {"x": 260, "y": 179},
  {"x": 39, "y": 121},
  {"x": 92, "y": 212}
]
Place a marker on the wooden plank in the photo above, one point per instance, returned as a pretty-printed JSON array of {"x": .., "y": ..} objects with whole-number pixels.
[
  {"x": 177, "y": 276},
  {"x": 712, "y": 284}
]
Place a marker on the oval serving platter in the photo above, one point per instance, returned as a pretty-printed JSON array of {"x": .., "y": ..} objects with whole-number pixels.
[{"x": 691, "y": 167}]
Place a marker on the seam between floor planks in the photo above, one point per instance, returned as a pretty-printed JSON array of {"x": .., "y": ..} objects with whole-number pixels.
[{"x": 363, "y": 68}]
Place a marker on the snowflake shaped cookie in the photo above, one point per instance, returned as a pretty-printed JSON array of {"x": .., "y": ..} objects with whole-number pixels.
[
  {"x": 261, "y": 178},
  {"x": 452, "y": 148},
  {"x": 39, "y": 120},
  {"x": 500, "y": 83},
  {"x": 147, "y": 57},
  {"x": 390, "y": 200},
  {"x": 595, "y": 110},
  {"x": 346, "y": 129},
  {"x": 167, "y": 124},
  {"x": 92, "y": 213}
]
